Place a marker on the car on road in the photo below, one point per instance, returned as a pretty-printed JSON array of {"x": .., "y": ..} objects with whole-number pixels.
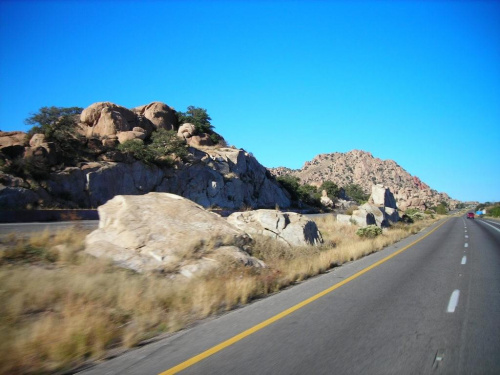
[{"x": 470, "y": 215}]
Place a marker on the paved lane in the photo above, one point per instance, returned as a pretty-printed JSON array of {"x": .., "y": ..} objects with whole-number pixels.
[
  {"x": 30, "y": 228},
  {"x": 426, "y": 310}
]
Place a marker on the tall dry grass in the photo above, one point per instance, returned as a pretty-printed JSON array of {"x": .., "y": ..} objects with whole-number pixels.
[{"x": 61, "y": 307}]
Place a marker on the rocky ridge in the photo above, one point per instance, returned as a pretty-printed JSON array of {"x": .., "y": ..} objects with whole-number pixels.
[{"x": 362, "y": 168}]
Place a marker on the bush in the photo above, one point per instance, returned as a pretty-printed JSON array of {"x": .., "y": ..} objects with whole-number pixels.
[
  {"x": 414, "y": 214},
  {"x": 371, "y": 231},
  {"x": 356, "y": 193},
  {"x": 163, "y": 147},
  {"x": 495, "y": 211},
  {"x": 138, "y": 150},
  {"x": 441, "y": 209}
]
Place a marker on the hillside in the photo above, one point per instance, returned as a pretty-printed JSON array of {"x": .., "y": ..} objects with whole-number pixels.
[{"x": 362, "y": 168}]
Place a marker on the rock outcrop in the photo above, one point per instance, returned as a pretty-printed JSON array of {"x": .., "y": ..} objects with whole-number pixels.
[
  {"x": 227, "y": 178},
  {"x": 361, "y": 168},
  {"x": 288, "y": 227},
  {"x": 219, "y": 176},
  {"x": 380, "y": 210},
  {"x": 165, "y": 233}
]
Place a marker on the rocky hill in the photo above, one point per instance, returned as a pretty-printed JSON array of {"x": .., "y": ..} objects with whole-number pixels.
[
  {"x": 362, "y": 168},
  {"x": 83, "y": 160}
]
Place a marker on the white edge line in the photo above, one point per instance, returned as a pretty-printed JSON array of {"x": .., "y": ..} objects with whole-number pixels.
[
  {"x": 453, "y": 301},
  {"x": 490, "y": 225}
]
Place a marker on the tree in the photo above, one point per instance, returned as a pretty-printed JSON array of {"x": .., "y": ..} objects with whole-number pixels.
[
  {"x": 290, "y": 184},
  {"x": 198, "y": 117},
  {"x": 54, "y": 122},
  {"x": 355, "y": 192},
  {"x": 331, "y": 188},
  {"x": 58, "y": 124}
]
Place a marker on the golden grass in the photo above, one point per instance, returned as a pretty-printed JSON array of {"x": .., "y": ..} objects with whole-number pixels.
[{"x": 61, "y": 307}]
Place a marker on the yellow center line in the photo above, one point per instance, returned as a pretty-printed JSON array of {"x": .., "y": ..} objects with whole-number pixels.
[{"x": 217, "y": 348}]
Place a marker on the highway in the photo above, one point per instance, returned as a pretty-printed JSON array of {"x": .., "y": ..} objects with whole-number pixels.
[
  {"x": 427, "y": 305},
  {"x": 25, "y": 229}
]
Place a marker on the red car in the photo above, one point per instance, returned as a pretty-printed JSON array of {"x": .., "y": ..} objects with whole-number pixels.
[{"x": 470, "y": 215}]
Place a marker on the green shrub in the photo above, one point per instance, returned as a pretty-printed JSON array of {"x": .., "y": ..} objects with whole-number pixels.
[
  {"x": 371, "y": 231},
  {"x": 356, "y": 193},
  {"x": 138, "y": 150},
  {"x": 164, "y": 145},
  {"x": 414, "y": 214},
  {"x": 495, "y": 211}
]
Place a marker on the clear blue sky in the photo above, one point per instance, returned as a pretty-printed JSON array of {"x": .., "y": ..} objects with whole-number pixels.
[{"x": 413, "y": 81}]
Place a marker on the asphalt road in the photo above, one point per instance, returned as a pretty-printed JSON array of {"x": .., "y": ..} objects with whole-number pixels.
[
  {"x": 430, "y": 308},
  {"x": 30, "y": 228}
]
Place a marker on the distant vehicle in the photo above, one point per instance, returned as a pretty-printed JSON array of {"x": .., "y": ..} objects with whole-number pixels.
[{"x": 470, "y": 215}]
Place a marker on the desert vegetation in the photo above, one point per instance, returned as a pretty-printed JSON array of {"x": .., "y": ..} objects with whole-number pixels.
[{"x": 61, "y": 307}]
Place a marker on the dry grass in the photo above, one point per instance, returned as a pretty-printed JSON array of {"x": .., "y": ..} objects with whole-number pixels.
[{"x": 61, "y": 307}]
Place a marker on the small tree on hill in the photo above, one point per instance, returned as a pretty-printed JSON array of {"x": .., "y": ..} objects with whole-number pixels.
[
  {"x": 198, "y": 117},
  {"x": 56, "y": 123}
]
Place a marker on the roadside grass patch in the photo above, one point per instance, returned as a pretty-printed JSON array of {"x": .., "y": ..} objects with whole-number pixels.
[{"x": 61, "y": 307}]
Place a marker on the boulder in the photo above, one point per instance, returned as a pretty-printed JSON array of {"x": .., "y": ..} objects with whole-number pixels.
[
  {"x": 12, "y": 143},
  {"x": 326, "y": 200},
  {"x": 104, "y": 119},
  {"x": 202, "y": 139},
  {"x": 136, "y": 133},
  {"x": 164, "y": 232},
  {"x": 289, "y": 227},
  {"x": 186, "y": 130},
  {"x": 37, "y": 140},
  {"x": 382, "y": 196},
  {"x": 370, "y": 214},
  {"x": 344, "y": 219},
  {"x": 8, "y": 139},
  {"x": 159, "y": 114}
]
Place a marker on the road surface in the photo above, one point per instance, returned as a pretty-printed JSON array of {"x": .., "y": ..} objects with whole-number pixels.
[
  {"x": 24, "y": 229},
  {"x": 426, "y": 307}
]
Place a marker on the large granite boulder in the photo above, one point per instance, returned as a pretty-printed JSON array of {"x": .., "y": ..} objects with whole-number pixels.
[
  {"x": 105, "y": 119},
  {"x": 165, "y": 232},
  {"x": 159, "y": 114},
  {"x": 288, "y": 227},
  {"x": 326, "y": 200},
  {"x": 370, "y": 214},
  {"x": 380, "y": 210},
  {"x": 12, "y": 143},
  {"x": 382, "y": 196}
]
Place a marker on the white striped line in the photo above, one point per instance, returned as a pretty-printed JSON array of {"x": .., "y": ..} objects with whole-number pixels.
[
  {"x": 490, "y": 225},
  {"x": 466, "y": 245},
  {"x": 464, "y": 259},
  {"x": 452, "y": 305},
  {"x": 466, "y": 236}
]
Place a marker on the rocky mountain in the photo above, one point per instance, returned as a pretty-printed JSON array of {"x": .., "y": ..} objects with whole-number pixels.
[
  {"x": 88, "y": 168},
  {"x": 362, "y": 168}
]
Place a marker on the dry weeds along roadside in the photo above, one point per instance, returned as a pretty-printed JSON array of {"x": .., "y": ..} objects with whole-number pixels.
[{"x": 61, "y": 307}]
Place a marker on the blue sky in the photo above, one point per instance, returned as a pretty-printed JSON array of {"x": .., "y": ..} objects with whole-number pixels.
[{"x": 413, "y": 81}]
